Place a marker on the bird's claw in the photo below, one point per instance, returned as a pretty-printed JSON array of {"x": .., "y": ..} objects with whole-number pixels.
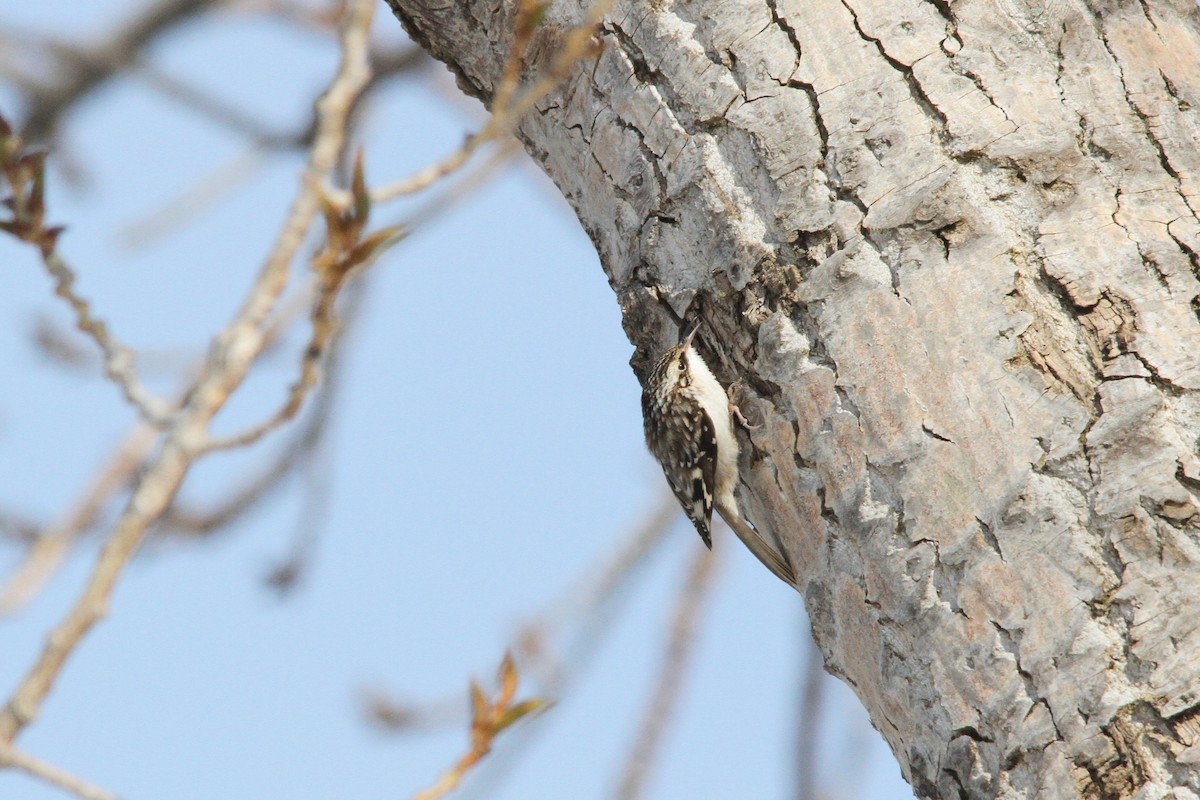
[{"x": 736, "y": 388}]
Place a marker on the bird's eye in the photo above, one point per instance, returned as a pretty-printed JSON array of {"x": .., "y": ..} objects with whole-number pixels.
[{"x": 681, "y": 365}]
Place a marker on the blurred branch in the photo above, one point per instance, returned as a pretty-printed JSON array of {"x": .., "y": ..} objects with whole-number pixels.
[
  {"x": 307, "y": 16},
  {"x": 386, "y": 64},
  {"x": 466, "y": 184},
  {"x": 206, "y": 193},
  {"x": 809, "y": 720},
  {"x": 17, "y": 528},
  {"x": 670, "y": 680},
  {"x": 149, "y": 468},
  {"x": 233, "y": 351},
  {"x": 581, "y": 606},
  {"x": 301, "y": 452},
  {"x": 52, "y": 545},
  {"x": 578, "y": 609},
  {"x": 182, "y": 520},
  {"x": 60, "y": 347},
  {"x": 315, "y": 499},
  {"x": 388, "y": 714},
  {"x": 216, "y": 110},
  {"x": 12, "y": 758},
  {"x": 82, "y": 71},
  {"x": 118, "y": 359}
]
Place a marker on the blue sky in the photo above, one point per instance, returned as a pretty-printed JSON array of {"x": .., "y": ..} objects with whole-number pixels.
[{"x": 486, "y": 449}]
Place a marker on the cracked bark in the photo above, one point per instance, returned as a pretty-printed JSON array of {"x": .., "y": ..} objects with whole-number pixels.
[{"x": 951, "y": 249}]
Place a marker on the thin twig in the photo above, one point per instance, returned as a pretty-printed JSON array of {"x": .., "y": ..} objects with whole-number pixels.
[
  {"x": 51, "y": 545},
  {"x": 118, "y": 359},
  {"x": 670, "y": 680},
  {"x": 488, "y": 719},
  {"x": 465, "y": 185},
  {"x": 316, "y": 473},
  {"x": 507, "y": 110},
  {"x": 386, "y": 713},
  {"x": 307, "y": 17},
  {"x": 206, "y": 193},
  {"x": 232, "y": 353},
  {"x": 585, "y": 615},
  {"x": 213, "y": 108},
  {"x": 251, "y": 490},
  {"x": 345, "y": 254},
  {"x": 180, "y": 520},
  {"x": 15, "y": 759},
  {"x": 23, "y": 180}
]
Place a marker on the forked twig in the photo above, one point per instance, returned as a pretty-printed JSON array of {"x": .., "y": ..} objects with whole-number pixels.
[
  {"x": 509, "y": 106},
  {"x": 232, "y": 353},
  {"x": 488, "y": 719}
]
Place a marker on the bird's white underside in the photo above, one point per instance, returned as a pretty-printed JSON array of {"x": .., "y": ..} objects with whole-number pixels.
[{"x": 716, "y": 404}]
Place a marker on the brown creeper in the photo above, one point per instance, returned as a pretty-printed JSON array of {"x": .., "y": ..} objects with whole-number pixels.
[{"x": 689, "y": 429}]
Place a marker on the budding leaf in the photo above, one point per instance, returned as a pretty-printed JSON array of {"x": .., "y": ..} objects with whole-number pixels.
[{"x": 518, "y": 712}]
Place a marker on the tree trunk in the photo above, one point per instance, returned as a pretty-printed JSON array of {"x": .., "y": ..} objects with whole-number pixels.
[{"x": 951, "y": 248}]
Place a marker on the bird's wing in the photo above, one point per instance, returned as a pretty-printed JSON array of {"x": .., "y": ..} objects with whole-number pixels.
[
  {"x": 697, "y": 478},
  {"x": 691, "y": 472}
]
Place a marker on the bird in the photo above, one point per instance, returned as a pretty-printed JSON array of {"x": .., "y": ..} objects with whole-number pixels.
[{"x": 689, "y": 421}]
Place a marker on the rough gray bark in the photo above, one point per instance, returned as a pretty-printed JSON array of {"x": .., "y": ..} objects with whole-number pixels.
[{"x": 951, "y": 247}]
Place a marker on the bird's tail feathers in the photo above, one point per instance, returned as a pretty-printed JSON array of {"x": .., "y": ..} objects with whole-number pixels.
[{"x": 764, "y": 552}]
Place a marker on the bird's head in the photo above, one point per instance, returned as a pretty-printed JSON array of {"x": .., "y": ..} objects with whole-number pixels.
[{"x": 673, "y": 368}]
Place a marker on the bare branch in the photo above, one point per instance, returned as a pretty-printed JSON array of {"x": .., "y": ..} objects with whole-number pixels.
[
  {"x": 384, "y": 65},
  {"x": 84, "y": 71},
  {"x": 317, "y": 493},
  {"x": 345, "y": 253},
  {"x": 56, "y": 541},
  {"x": 302, "y": 452},
  {"x": 57, "y": 345},
  {"x": 602, "y": 582},
  {"x": 670, "y": 680},
  {"x": 52, "y": 544},
  {"x": 466, "y": 184},
  {"x": 210, "y": 107},
  {"x": 118, "y": 359},
  {"x": 206, "y": 193},
  {"x": 15, "y": 759},
  {"x": 15, "y": 527},
  {"x": 230, "y": 358},
  {"x": 508, "y": 109}
]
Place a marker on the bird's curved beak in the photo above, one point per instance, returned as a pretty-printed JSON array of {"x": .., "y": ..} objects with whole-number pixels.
[{"x": 687, "y": 342}]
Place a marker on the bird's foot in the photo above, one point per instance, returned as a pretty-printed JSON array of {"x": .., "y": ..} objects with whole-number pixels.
[{"x": 737, "y": 388}]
